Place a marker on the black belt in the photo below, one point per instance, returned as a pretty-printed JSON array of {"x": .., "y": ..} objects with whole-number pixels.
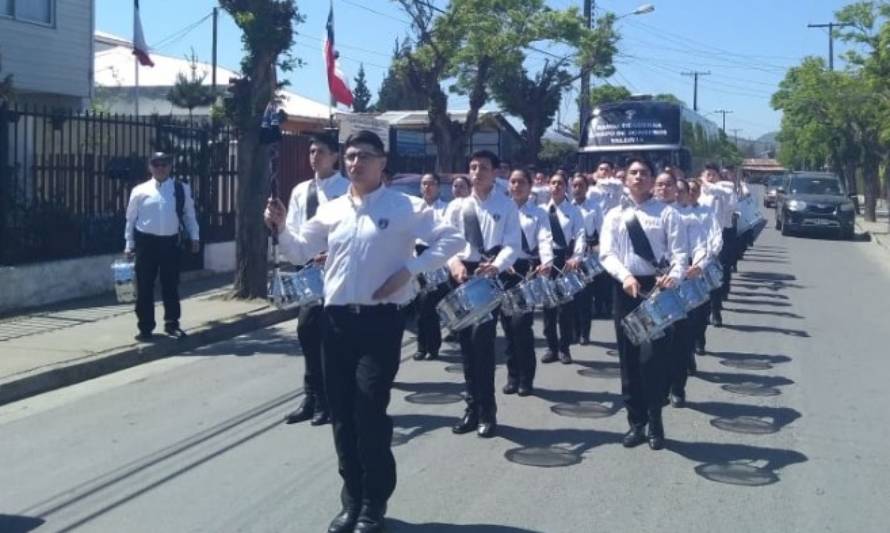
[{"x": 356, "y": 309}]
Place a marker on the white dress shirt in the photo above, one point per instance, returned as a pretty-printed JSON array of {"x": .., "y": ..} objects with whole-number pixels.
[
  {"x": 662, "y": 227},
  {"x": 152, "y": 210},
  {"x": 610, "y": 191},
  {"x": 705, "y": 235},
  {"x": 572, "y": 222},
  {"x": 541, "y": 194},
  {"x": 592, "y": 214},
  {"x": 499, "y": 222},
  {"x": 328, "y": 189},
  {"x": 438, "y": 208},
  {"x": 368, "y": 240},
  {"x": 721, "y": 198},
  {"x": 535, "y": 224}
]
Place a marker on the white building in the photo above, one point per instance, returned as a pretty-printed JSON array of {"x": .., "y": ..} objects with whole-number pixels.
[{"x": 47, "y": 46}]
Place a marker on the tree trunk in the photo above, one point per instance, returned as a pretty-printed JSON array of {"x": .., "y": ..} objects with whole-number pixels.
[
  {"x": 870, "y": 179},
  {"x": 849, "y": 172},
  {"x": 440, "y": 123},
  {"x": 251, "y": 241}
]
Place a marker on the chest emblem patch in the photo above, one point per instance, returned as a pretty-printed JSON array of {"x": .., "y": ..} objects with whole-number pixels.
[{"x": 383, "y": 223}]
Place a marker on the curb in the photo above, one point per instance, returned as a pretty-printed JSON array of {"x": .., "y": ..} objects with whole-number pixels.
[
  {"x": 879, "y": 240},
  {"x": 92, "y": 366}
]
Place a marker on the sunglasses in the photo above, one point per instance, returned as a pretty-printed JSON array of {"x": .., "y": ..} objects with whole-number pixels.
[{"x": 160, "y": 163}]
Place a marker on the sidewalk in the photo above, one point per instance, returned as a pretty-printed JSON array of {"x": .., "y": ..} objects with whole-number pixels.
[
  {"x": 47, "y": 348},
  {"x": 877, "y": 230}
]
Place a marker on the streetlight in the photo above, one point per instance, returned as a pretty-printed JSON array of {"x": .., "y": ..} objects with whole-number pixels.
[{"x": 642, "y": 10}]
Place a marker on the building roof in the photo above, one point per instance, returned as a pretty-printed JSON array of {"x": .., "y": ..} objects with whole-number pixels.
[
  {"x": 762, "y": 165},
  {"x": 114, "y": 68}
]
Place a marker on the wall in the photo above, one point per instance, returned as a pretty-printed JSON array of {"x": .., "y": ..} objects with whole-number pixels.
[
  {"x": 40, "y": 284},
  {"x": 54, "y": 59}
]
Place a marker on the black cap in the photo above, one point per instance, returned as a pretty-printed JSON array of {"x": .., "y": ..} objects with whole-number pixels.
[{"x": 160, "y": 156}]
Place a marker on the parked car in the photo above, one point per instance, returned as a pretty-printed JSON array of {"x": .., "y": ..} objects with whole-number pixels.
[
  {"x": 811, "y": 201},
  {"x": 772, "y": 183}
]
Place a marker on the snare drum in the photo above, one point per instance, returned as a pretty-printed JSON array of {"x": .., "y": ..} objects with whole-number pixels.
[
  {"x": 545, "y": 292},
  {"x": 590, "y": 268},
  {"x": 124, "y": 274},
  {"x": 470, "y": 304},
  {"x": 713, "y": 275},
  {"x": 295, "y": 289},
  {"x": 649, "y": 321},
  {"x": 567, "y": 286},
  {"x": 694, "y": 293},
  {"x": 520, "y": 300},
  {"x": 430, "y": 281}
]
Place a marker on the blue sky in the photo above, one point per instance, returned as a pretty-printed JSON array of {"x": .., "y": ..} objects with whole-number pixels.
[{"x": 746, "y": 45}]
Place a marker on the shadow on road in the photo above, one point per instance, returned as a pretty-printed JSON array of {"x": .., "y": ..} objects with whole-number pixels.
[
  {"x": 736, "y": 464},
  {"x": 393, "y": 524},
  {"x": 745, "y": 356},
  {"x": 767, "y": 329},
  {"x": 738, "y": 417},
  {"x": 744, "y": 294},
  {"x": 782, "y": 314},
  {"x": 21, "y": 524},
  {"x": 768, "y": 303}
]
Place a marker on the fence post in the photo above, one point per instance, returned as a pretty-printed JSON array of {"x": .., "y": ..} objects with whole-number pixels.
[{"x": 4, "y": 176}]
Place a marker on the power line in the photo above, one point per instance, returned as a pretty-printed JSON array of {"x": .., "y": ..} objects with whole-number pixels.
[
  {"x": 179, "y": 34},
  {"x": 723, "y": 112},
  {"x": 695, "y": 75},
  {"x": 831, "y": 26},
  {"x": 380, "y": 13}
]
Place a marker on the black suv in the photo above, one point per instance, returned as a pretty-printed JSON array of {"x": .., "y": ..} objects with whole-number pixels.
[{"x": 814, "y": 201}]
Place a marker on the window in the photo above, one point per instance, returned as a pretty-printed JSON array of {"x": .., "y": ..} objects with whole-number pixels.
[{"x": 39, "y": 11}]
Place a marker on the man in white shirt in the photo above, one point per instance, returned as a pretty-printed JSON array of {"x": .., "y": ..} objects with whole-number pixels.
[
  {"x": 429, "y": 330},
  {"x": 643, "y": 246},
  {"x": 593, "y": 221},
  {"x": 721, "y": 198},
  {"x": 541, "y": 189},
  {"x": 489, "y": 222},
  {"x": 369, "y": 235},
  {"x": 157, "y": 211},
  {"x": 305, "y": 199},
  {"x": 567, "y": 228}
]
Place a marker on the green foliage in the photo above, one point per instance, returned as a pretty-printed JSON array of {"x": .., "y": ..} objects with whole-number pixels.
[
  {"x": 396, "y": 92},
  {"x": 607, "y": 94},
  {"x": 555, "y": 155},
  {"x": 361, "y": 94},
  {"x": 189, "y": 90}
]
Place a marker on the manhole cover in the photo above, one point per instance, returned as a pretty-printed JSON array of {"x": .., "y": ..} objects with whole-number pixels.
[
  {"x": 745, "y": 424},
  {"x": 601, "y": 372},
  {"x": 455, "y": 369},
  {"x": 751, "y": 389},
  {"x": 746, "y": 364},
  {"x": 543, "y": 457},
  {"x": 433, "y": 398},
  {"x": 613, "y": 353},
  {"x": 736, "y": 474},
  {"x": 583, "y": 410}
]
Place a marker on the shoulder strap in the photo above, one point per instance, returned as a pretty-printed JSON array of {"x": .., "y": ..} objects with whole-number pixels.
[
  {"x": 641, "y": 245},
  {"x": 179, "y": 191}
]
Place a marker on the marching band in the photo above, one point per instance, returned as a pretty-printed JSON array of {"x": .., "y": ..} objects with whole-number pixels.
[{"x": 653, "y": 250}]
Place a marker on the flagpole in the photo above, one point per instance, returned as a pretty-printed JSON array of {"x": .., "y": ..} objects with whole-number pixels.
[{"x": 136, "y": 87}]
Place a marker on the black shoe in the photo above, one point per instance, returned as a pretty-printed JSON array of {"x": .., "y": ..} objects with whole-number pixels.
[
  {"x": 525, "y": 389},
  {"x": 717, "y": 319},
  {"x": 549, "y": 357},
  {"x": 565, "y": 358},
  {"x": 345, "y": 521},
  {"x": 370, "y": 519},
  {"x": 510, "y": 388},
  {"x": 320, "y": 417},
  {"x": 488, "y": 423},
  {"x": 700, "y": 349},
  {"x": 144, "y": 336},
  {"x": 655, "y": 435},
  {"x": 432, "y": 356},
  {"x": 175, "y": 331},
  {"x": 584, "y": 341},
  {"x": 304, "y": 412},
  {"x": 634, "y": 437},
  {"x": 418, "y": 356},
  {"x": 678, "y": 401},
  {"x": 467, "y": 424}
]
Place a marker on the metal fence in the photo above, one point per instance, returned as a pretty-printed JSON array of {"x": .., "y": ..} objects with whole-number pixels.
[{"x": 65, "y": 179}]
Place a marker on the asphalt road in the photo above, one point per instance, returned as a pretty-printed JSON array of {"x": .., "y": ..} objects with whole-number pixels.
[{"x": 787, "y": 430}]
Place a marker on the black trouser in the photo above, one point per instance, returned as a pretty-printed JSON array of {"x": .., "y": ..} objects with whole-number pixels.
[
  {"x": 310, "y": 331},
  {"x": 477, "y": 357},
  {"x": 728, "y": 257},
  {"x": 156, "y": 254},
  {"x": 681, "y": 353},
  {"x": 361, "y": 357},
  {"x": 584, "y": 311},
  {"x": 602, "y": 289},
  {"x": 520, "y": 338},
  {"x": 429, "y": 330},
  {"x": 562, "y": 316},
  {"x": 699, "y": 324},
  {"x": 644, "y": 369}
]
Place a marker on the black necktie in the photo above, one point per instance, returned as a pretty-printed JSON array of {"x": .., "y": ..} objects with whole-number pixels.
[
  {"x": 312, "y": 200},
  {"x": 472, "y": 229},
  {"x": 556, "y": 229}
]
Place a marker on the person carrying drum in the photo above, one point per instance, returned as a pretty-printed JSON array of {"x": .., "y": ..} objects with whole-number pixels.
[
  {"x": 720, "y": 197},
  {"x": 713, "y": 240},
  {"x": 535, "y": 255},
  {"x": 593, "y": 222},
  {"x": 429, "y": 331},
  {"x": 368, "y": 235},
  {"x": 567, "y": 228},
  {"x": 643, "y": 246},
  {"x": 158, "y": 211},
  {"x": 490, "y": 224}
]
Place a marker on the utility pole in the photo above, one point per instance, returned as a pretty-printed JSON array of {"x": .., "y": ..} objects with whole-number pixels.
[
  {"x": 213, "y": 75},
  {"x": 584, "y": 107},
  {"x": 735, "y": 133},
  {"x": 724, "y": 112},
  {"x": 695, "y": 74},
  {"x": 831, "y": 26}
]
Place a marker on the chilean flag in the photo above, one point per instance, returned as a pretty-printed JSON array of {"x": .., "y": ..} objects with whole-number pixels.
[
  {"x": 337, "y": 83},
  {"x": 140, "y": 49}
]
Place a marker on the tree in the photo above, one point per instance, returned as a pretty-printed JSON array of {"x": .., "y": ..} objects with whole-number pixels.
[
  {"x": 189, "y": 91},
  {"x": 555, "y": 155},
  {"x": 607, "y": 94},
  {"x": 396, "y": 93},
  {"x": 361, "y": 94},
  {"x": 6, "y": 92},
  {"x": 458, "y": 46},
  {"x": 267, "y": 28}
]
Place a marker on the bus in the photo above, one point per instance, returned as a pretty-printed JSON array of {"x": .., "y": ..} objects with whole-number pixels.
[{"x": 664, "y": 132}]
